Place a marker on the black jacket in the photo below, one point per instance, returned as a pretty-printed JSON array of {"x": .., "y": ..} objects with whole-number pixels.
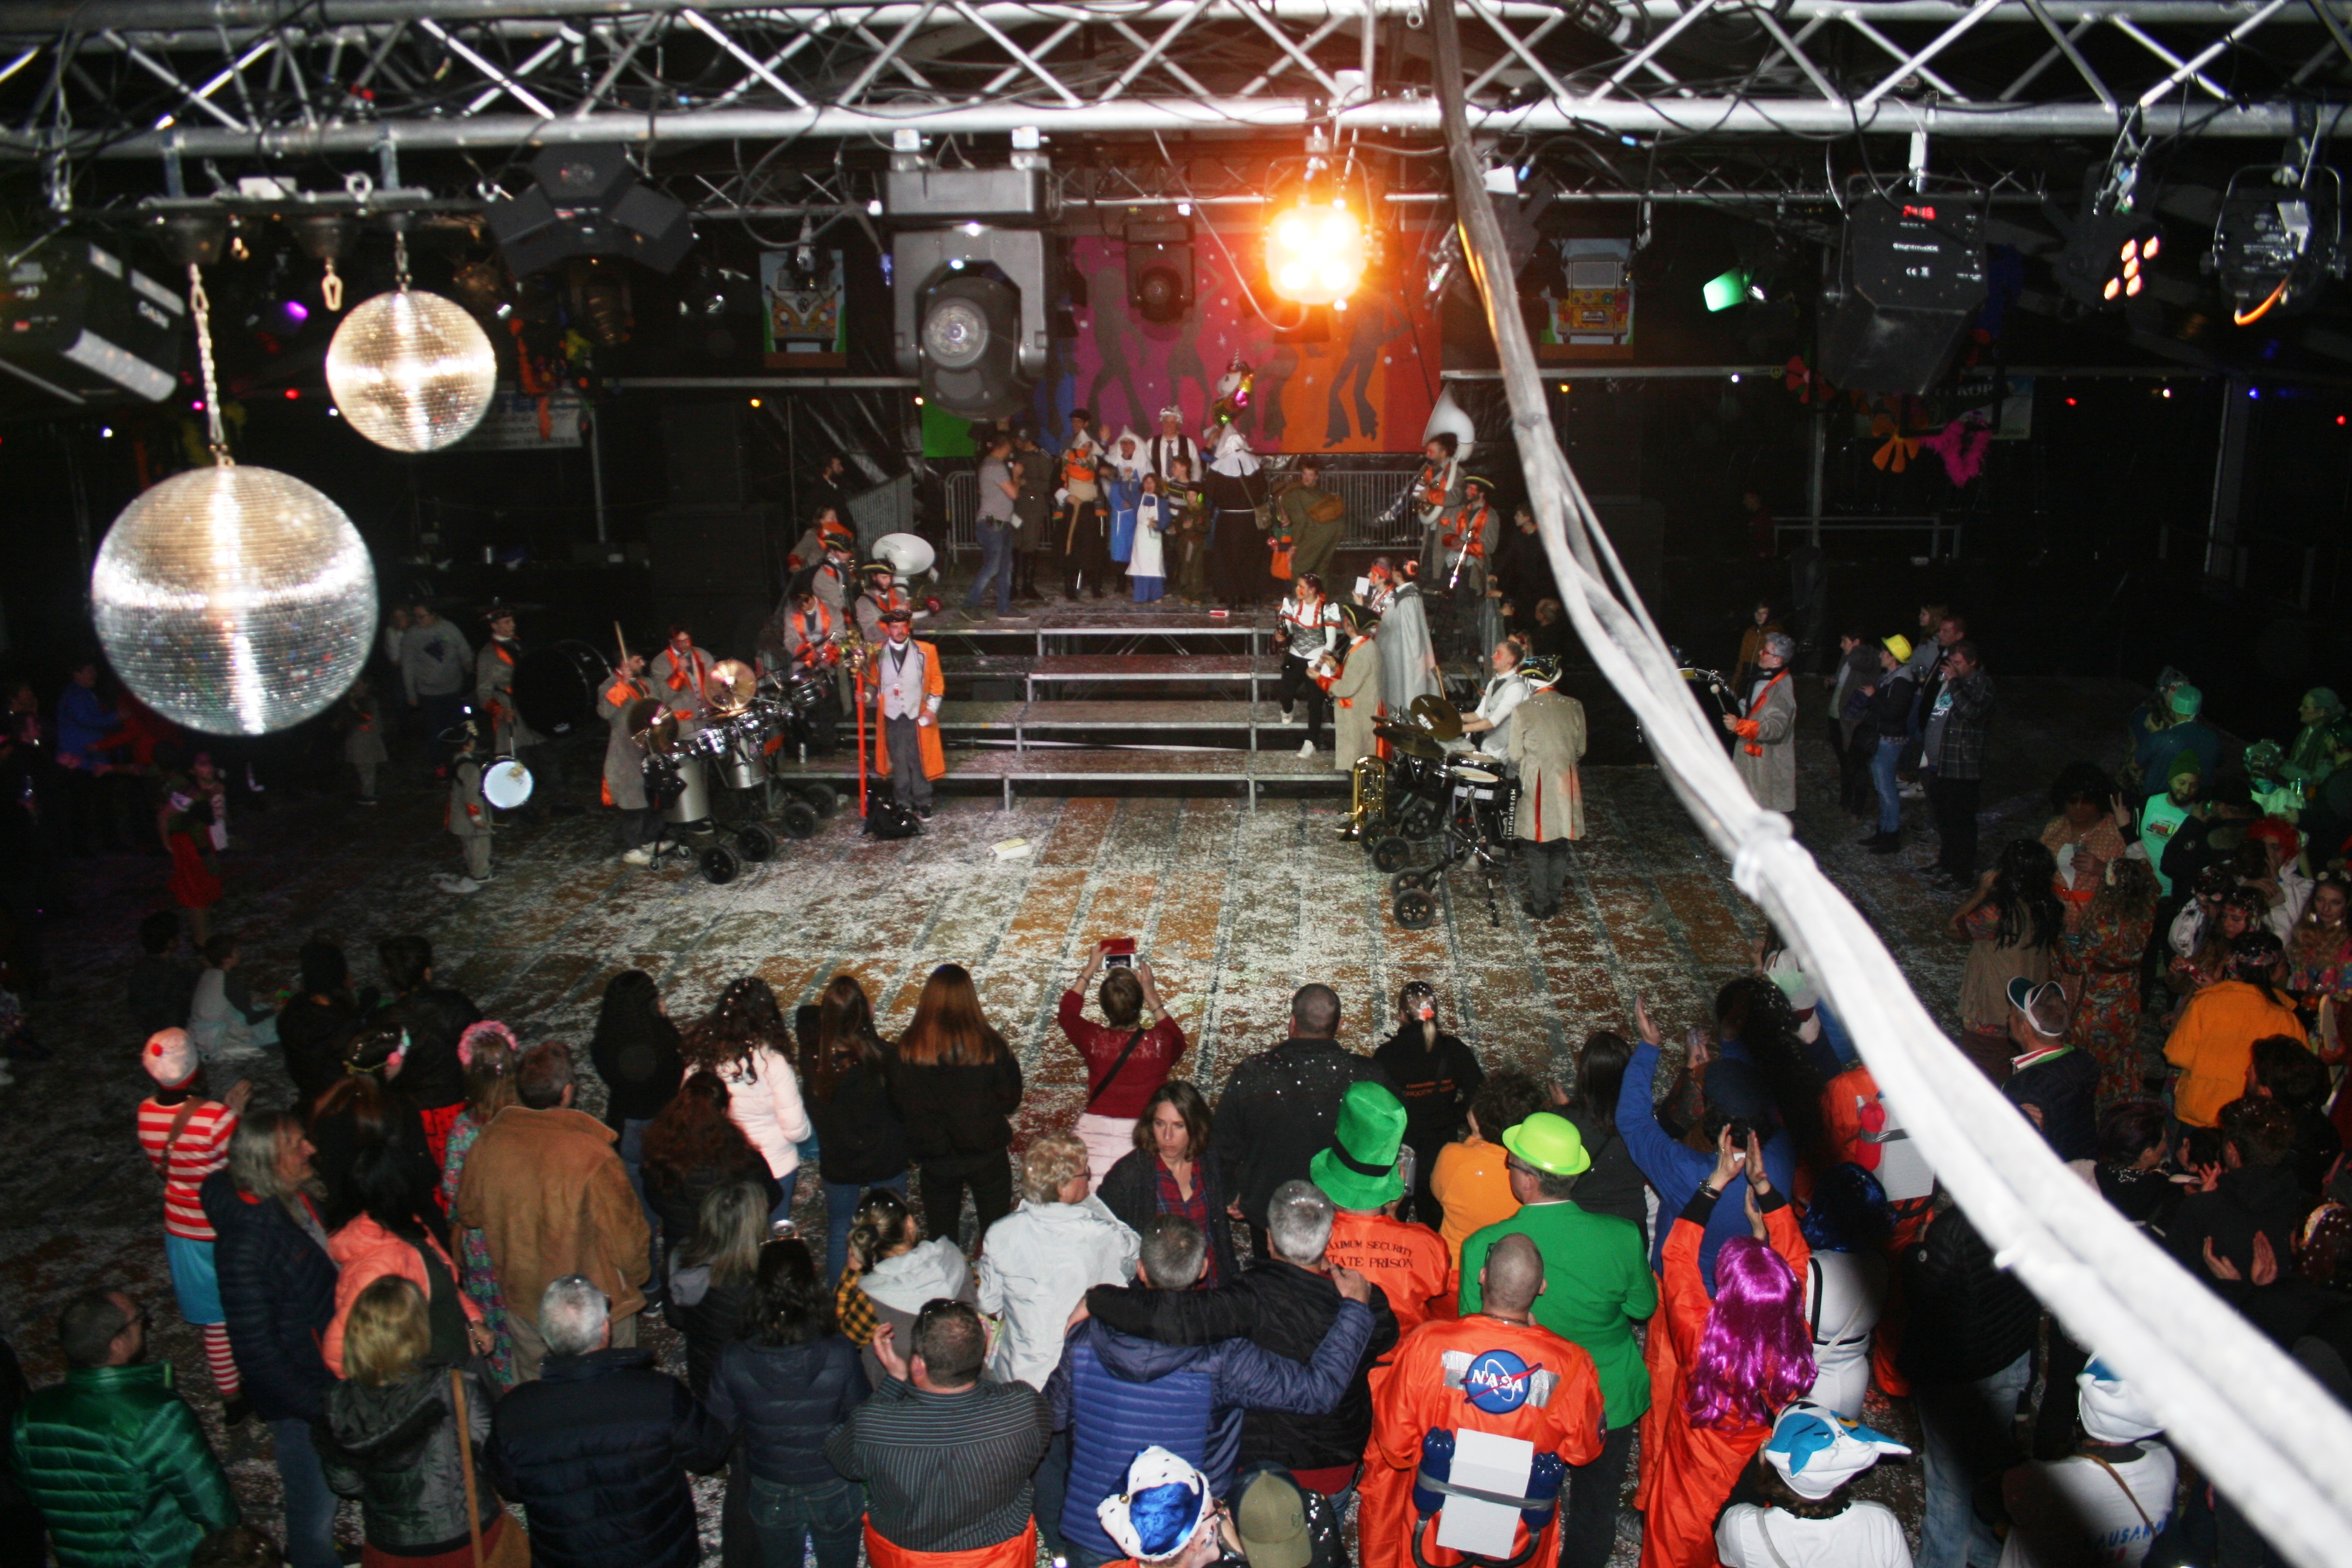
[
  {"x": 1613, "y": 1185},
  {"x": 596, "y": 1452},
  {"x": 1969, "y": 1319},
  {"x": 956, "y": 1110},
  {"x": 312, "y": 1034},
  {"x": 710, "y": 1314},
  {"x": 1436, "y": 1086},
  {"x": 278, "y": 1294},
  {"x": 2265, "y": 1198},
  {"x": 1131, "y": 1189},
  {"x": 1279, "y": 1307},
  {"x": 395, "y": 1450},
  {"x": 2065, "y": 1090},
  {"x": 859, "y": 1137},
  {"x": 1888, "y": 712},
  {"x": 640, "y": 1070},
  {"x": 779, "y": 1402},
  {"x": 434, "y": 1016},
  {"x": 1278, "y": 1113},
  {"x": 675, "y": 1196}
]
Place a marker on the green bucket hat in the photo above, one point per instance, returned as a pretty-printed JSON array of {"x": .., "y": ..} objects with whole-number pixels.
[
  {"x": 1550, "y": 1143},
  {"x": 1359, "y": 1170}
]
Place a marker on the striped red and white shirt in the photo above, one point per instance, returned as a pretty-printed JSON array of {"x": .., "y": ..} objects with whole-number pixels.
[{"x": 201, "y": 1149}]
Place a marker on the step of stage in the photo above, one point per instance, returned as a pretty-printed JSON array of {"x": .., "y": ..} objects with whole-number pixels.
[
  {"x": 1091, "y": 767},
  {"x": 1074, "y": 629},
  {"x": 1142, "y": 672},
  {"x": 1022, "y": 719}
]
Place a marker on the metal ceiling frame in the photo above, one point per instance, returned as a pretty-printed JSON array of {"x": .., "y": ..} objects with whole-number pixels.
[{"x": 270, "y": 79}]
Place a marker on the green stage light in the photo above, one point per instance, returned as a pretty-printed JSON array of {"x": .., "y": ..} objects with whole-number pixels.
[{"x": 1725, "y": 290}]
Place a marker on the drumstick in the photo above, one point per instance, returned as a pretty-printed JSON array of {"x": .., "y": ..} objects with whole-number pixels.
[{"x": 624, "y": 643}]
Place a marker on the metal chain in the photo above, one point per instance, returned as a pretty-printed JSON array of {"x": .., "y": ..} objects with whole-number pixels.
[
  {"x": 400, "y": 262},
  {"x": 200, "y": 308}
]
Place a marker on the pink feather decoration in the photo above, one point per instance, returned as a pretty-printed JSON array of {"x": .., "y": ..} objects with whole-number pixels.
[{"x": 1963, "y": 445}]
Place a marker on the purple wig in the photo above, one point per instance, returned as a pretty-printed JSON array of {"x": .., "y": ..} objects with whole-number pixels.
[{"x": 1755, "y": 1355}]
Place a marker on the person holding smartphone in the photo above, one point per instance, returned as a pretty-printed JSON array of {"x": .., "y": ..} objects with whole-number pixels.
[{"x": 1129, "y": 1056}]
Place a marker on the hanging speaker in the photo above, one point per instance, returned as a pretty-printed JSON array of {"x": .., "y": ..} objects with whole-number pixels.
[{"x": 1911, "y": 273}]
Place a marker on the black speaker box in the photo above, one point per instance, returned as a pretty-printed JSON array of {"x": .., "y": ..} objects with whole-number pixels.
[{"x": 1911, "y": 273}]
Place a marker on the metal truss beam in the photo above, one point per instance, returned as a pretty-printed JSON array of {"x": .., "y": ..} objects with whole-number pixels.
[{"x": 276, "y": 79}]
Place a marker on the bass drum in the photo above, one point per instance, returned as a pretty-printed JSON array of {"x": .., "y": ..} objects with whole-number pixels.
[
  {"x": 555, "y": 688},
  {"x": 693, "y": 801}
]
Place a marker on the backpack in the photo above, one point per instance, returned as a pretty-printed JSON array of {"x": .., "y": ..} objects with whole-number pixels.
[{"x": 887, "y": 816}]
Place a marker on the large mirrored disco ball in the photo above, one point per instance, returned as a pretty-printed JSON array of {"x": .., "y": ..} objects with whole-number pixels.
[
  {"x": 235, "y": 601},
  {"x": 412, "y": 372}
]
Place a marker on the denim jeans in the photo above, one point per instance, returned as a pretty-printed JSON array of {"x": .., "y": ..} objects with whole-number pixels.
[
  {"x": 840, "y": 1208},
  {"x": 1882, "y": 774},
  {"x": 1967, "y": 1431},
  {"x": 785, "y": 1517},
  {"x": 310, "y": 1506},
  {"x": 633, "y": 1160},
  {"x": 995, "y": 562},
  {"x": 790, "y": 1185}
]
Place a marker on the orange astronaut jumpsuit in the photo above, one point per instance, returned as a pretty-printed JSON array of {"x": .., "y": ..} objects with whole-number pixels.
[
  {"x": 1687, "y": 1472},
  {"x": 1492, "y": 1386}
]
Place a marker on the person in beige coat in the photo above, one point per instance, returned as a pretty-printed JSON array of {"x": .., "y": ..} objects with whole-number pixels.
[
  {"x": 1356, "y": 695},
  {"x": 1546, "y": 743},
  {"x": 1764, "y": 731},
  {"x": 548, "y": 1192}
]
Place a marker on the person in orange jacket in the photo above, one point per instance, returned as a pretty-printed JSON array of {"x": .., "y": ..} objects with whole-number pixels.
[
  {"x": 1498, "y": 1372},
  {"x": 1359, "y": 1174},
  {"x": 2213, "y": 1044},
  {"x": 1737, "y": 1360},
  {"x": 909, "y": 687}
]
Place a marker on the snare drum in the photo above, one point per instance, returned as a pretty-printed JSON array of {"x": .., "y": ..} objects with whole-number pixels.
[
  {"x": 693, "y": 801},
  {"x": 741, "y": 762},
  {"x": 506, "y": 784}
]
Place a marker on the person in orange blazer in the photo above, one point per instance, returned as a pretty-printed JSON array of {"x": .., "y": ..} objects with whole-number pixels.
[
  {"x": 909, "y": 687},
  {"x": 1495, "y": 1370}
]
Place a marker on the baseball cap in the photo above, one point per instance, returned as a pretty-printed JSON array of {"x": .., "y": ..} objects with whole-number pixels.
[
  {"x": 2045, "y": 1006},
  {"x": 1271, "y": 1520}
]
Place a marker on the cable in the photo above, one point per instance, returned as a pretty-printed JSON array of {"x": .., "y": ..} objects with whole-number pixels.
[{"x": 2264, "y": 308}]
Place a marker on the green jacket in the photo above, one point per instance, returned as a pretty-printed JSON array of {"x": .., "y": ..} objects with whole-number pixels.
[
  {"x": 118, "y": 1468},
  {"x": 1597, "y": 1282}
]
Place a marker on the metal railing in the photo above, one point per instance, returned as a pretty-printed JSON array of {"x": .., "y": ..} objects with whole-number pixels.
[
  {"x": 1368, "y": 492},
  {"x": 1939, "y": 530}
]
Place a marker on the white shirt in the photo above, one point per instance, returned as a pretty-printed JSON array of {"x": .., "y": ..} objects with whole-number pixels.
[
  {"x": 1865, "y": 1535},
  {"x": 1160, "y": 454},
  {"x": 765, "y": 1104},
  {"x": 2074, "y": 1513},
  {"x": 1036, "y": 1263},
  {"x": 1310, "y": 629},
  {"x": 898, "y": 670},
  {"x": 1503, "y": 695}
]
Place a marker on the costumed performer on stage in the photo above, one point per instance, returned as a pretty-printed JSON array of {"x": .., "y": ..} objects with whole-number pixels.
[
  {"x": 1466, "y": 540},
  {"x": 909, "y": 687},
  {"x": 880, "y": 596},
  {"x": 1546, "y": 741},
  {"x": 1085, "y": 535},
  {"x": 1356, "y": 695},
  {"x": 681, "y": 679},
  {"x": 1172, "y": 446},
  {"x": 1488, "y": 728},
  {"x": 1436, "y": 495},
  {"x": 1408, "y": 662},
  {"x": 1306, "y": 633},
  {"x": 1147, "y": 566},
  {"x": 1122, "y": 487},
  {"x": 494, "y": 674},
  {"x": 624, "y": 762}
]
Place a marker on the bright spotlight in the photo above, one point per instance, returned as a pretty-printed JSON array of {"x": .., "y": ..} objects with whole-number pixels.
[{"x": 1316, "y": 252}]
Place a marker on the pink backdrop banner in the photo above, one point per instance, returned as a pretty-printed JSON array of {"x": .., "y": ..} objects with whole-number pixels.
[{"x": 1368, "y": 387}]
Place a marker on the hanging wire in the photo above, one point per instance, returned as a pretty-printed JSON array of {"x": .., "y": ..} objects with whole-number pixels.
[
  {"x": 399, "y": 261},
  {"x": 201, "y": 307}
]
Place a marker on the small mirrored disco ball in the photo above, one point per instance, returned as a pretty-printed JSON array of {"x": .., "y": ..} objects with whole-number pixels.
[
  {"x": 411, "y": 371},
  {"x": 235, "y": 601}
]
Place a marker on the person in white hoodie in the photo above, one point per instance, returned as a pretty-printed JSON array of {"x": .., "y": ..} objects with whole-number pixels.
[
  {"x": 1040, "y": 1260},
  {"x": 743, "y": 1040},
  {"x": 1811, "y": 1519},
  {"x": 893, "y": 1273}
]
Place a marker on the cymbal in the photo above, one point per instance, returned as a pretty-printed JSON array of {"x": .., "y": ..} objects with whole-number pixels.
[
  {"x": 654, "y": 727},
  {"x": 1412, "y": 742},
  {"x": 731, "y": 684},
  {"x": 1437, "y": 716}
]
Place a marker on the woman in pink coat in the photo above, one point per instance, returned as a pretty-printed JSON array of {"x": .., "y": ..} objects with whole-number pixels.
[{"x": 743, "y": 1040}]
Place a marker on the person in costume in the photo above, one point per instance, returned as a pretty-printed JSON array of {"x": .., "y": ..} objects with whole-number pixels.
[
  {"x": 1465, "y": 544},
  {"x": 1765, "y": 729},
  {"x": 909, "y": 687},
  {"x": 680, "y": 675},
  {"x": 1122, "y": 488},
  {"x": 194, "y": 805},
  {"x": 1408, "y": 660},
  {"x": 1436, "y": 491},
  {"x": 1356, "y": 695},
  {"x": 826, "y": 533},
  {"x": 1172, "y": 446},
  {"x": 1033, "y": 507},
  {"x": 1808, "y": 1514},
  {"x": 1185, "y": 530},
  {"x": 624, "y": 762},
  {"x": 1306, "y": 633},
  {"x": 1167, "y": 1517},
  {"x": 1545, "y": 741},
  {"x": 1359, "y": 1174},
  {"x": 1146, "y": 565},
  {"x": 1487, "y": 726},
  {"x": 1235, "y": 483},
  {"x": 1724, "y": 1368},
  {"x": 1317, "y": 519},
  {"x": 810, "y": 644},
  {"x": 1498, "y": 1372},
  {"x": 829, "y": 579},
  {"x": 469, "y": 815},
  {"x": 880, "y": 594},
  {"x": 1085, "y": 535},
  {"x": 494, "y": 673}
]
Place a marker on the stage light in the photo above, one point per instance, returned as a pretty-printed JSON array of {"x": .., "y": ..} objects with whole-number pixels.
[
  {"x": 106, "y": 432},
  {"x": 2279, "y": 239},
  {"x": 292, "y": 394},
  {"x": 1725, "y": 290},
  {"x": 1316, "y": 252},
  {"x": 416, "y": 369},
  {"x": 1159, "y": 254},
  {"x": 755, "y": 403}
]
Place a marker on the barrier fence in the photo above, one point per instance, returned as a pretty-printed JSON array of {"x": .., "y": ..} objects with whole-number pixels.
[{"x": 1368, "y": 492}]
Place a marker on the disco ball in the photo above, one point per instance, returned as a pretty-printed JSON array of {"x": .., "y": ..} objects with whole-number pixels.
[
  {"x": 412, "y": 372},
  {"x": 235, "y": 601}
]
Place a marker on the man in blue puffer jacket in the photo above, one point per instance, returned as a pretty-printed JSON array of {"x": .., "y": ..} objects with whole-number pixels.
[{"x": 1115, "y": 1394}]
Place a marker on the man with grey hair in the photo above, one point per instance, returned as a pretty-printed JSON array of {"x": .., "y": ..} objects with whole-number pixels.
[
  {"x": 598, "y": 1449},
  {"x": 1287, "y": 1305},
  {"x": 1280, "y": 1106},
  {"x": 1113, "y": 1389},
  {"x": 1764, "y": 731}
]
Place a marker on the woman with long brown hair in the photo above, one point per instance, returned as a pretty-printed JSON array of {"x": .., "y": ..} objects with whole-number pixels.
[
  {"x": 744, "y": 1042},
  {"x": 956, "y": 1085},
  {"x": 845, "y": 1082},
  {"x": 693, "y": 1146}
]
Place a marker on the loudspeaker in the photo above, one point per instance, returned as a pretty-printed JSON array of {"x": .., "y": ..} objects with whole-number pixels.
[
  {"x": 1911, "y": 273},
  {"x": 587, "y": 201},
  {"x": 703, "y": 443}
]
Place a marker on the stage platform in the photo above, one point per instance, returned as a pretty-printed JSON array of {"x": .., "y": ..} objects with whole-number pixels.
[{"x": 1085, "y": 769}]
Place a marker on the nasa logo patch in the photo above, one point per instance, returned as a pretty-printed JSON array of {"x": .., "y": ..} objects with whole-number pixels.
[{"x": 1498, "y": 1382}]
